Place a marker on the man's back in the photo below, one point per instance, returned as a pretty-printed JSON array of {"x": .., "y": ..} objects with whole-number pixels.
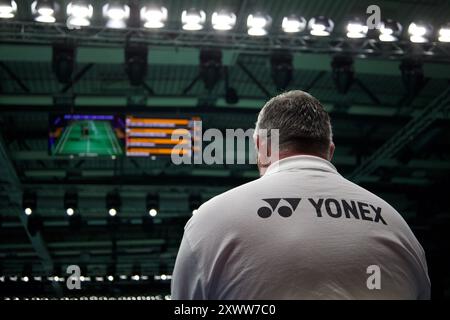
[{"x": 301, "y": 231}]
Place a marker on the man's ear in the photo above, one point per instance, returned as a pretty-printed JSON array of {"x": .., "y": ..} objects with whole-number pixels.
[
  {"x": 331, "y": 151},
  {"x": 256, "y": 141}
]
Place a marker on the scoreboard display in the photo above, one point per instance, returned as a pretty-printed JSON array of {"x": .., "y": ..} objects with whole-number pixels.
[{"x": 153, "y": 136}]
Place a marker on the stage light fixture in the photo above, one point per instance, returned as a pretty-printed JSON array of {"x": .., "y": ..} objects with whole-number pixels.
[
  {"x": 223, "y": 20},
  {"x": 390, "y": 30},
  {"x": 356, "y": 29},
  {"x": 342, "y": 73},
  {"x": 136, "y": 63},
  {"x": 444, "y": 33},
  {"x": 412, "y": 74},
  {"x": 210, "y": 67},
  {"x": 281, "y": 69},
  {"x": 152, "y": 202},
  {"x": 231, "y": 96},
  {"x": 152, "y": 208},
  {"x": 63, "y": 62},
  {"x": 258, "y": 24},
  {"x": 293, "y": 24},
  {"x": 320, "y": 26},
  {"x": 117, "y": 14},
  {"x": 79, "y": 14},
  {"x": 8, "y": 9},
  {"x": 193, "y": 19},
  {"x": 113, "y": 203},
  {"x": 419, "y": 32},
  {"x": 29, "y": 202},
  {"x": 112, "y": 212},
  {"x": 70, "y": 203},
  {"x": 43, "y": 11},
  {"x": 154, "y": 17}
]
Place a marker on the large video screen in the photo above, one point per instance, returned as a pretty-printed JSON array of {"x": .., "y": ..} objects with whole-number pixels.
[
  {"x": 153, "y": 136},
  {"x": 86, "y": 135}
]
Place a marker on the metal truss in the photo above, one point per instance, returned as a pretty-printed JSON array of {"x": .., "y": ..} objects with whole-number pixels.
[
  {"x": 32, "y": 32},
  {"x": 419, "y": 123},
  {"x": 11, "y": 180}
]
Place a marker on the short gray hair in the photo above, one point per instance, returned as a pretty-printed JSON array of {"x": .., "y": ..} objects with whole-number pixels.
[{"x": 302, "y": 121}]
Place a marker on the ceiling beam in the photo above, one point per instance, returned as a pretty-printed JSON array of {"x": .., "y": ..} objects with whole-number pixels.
[
  {"x": 170, "y": 104},
  {"x": 171, "y": 55}
]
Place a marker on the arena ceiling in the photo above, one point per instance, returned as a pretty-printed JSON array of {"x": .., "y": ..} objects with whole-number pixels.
[{"x": 394, "y": 142}]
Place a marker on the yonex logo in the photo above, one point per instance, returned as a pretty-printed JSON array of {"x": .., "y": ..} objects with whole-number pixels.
[{"x": 285, "y": 209}]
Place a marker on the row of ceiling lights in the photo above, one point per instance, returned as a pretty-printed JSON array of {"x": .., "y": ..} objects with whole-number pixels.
[
  {"x": 110, "y": 278},
  {"x": 79, "y": 13},
  {"x": 157, "y": 297},
  {"x": 113, "y": 203}
]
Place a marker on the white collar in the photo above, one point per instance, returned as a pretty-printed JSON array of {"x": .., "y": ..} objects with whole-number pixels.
[{"x": 294, "y": 163}]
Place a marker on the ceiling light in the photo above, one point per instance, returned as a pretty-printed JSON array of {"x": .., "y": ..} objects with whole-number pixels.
[
  {"x": 43, "y": 11},
  {"x": 356, "y": 29},
  {"x": 444, "y": 33},
  {"x": 155, "y": 18},
  {"x": 70, "y": 211},
  {"x": 79, "y": 14},
  {"x": 112, "y": 212},
  {"x": 193, "y": 19},
  {"x": 258, "y": 24},
  {"x": 153, "y": 212},
  {"x": 390, "y": 31},
  {"x": 29, "y": 202},
  {"x": 223, "y": 20},
  {"x": 8, "y": 9},
  {"x": 293, "y": 24},
  {"x": 419, "y": 32},
  {"x": 117, "y": 13},
  {"x": 320, "y": 26}
]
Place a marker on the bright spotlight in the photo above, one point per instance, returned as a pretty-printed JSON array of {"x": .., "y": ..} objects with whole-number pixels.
[
  {"x": 163, "y": 277},
  {"x": 356, "y": 29},
  {"x": 153, "y": 212},
  {"x": 8, "y": 9},
  {"x": 70, "y": 211},
  {"x": 110, "y": 278},
  {"x": 257, "y": 24},
  {"x": 390, "y": 31},
  {"x": 223, "y": 20},
  {"x": 193, "y": 19},
  {"x": 43, "y": 11},
  {"x": 320, "y": 26},
  {"x": 293, "y": 24},
  {"x": 79, "y": 14},
  {"x": 444, "y": 33},
  {"x": 28, "y": 211},
  {"x": 25, "y": 279},
  {"x": 135, "y": 277},
  {"x": 419, "y": 32},
  {"x": 116, "y": 13},
  {"x": 155, "y": 18},
  {"x": 112, "y": 212}
]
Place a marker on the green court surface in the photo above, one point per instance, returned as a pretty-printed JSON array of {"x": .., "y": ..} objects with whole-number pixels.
[{"x": 88, "y": 138}]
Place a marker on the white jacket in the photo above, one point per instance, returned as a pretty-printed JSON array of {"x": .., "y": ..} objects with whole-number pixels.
[{"x": 301, "y": 231}]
